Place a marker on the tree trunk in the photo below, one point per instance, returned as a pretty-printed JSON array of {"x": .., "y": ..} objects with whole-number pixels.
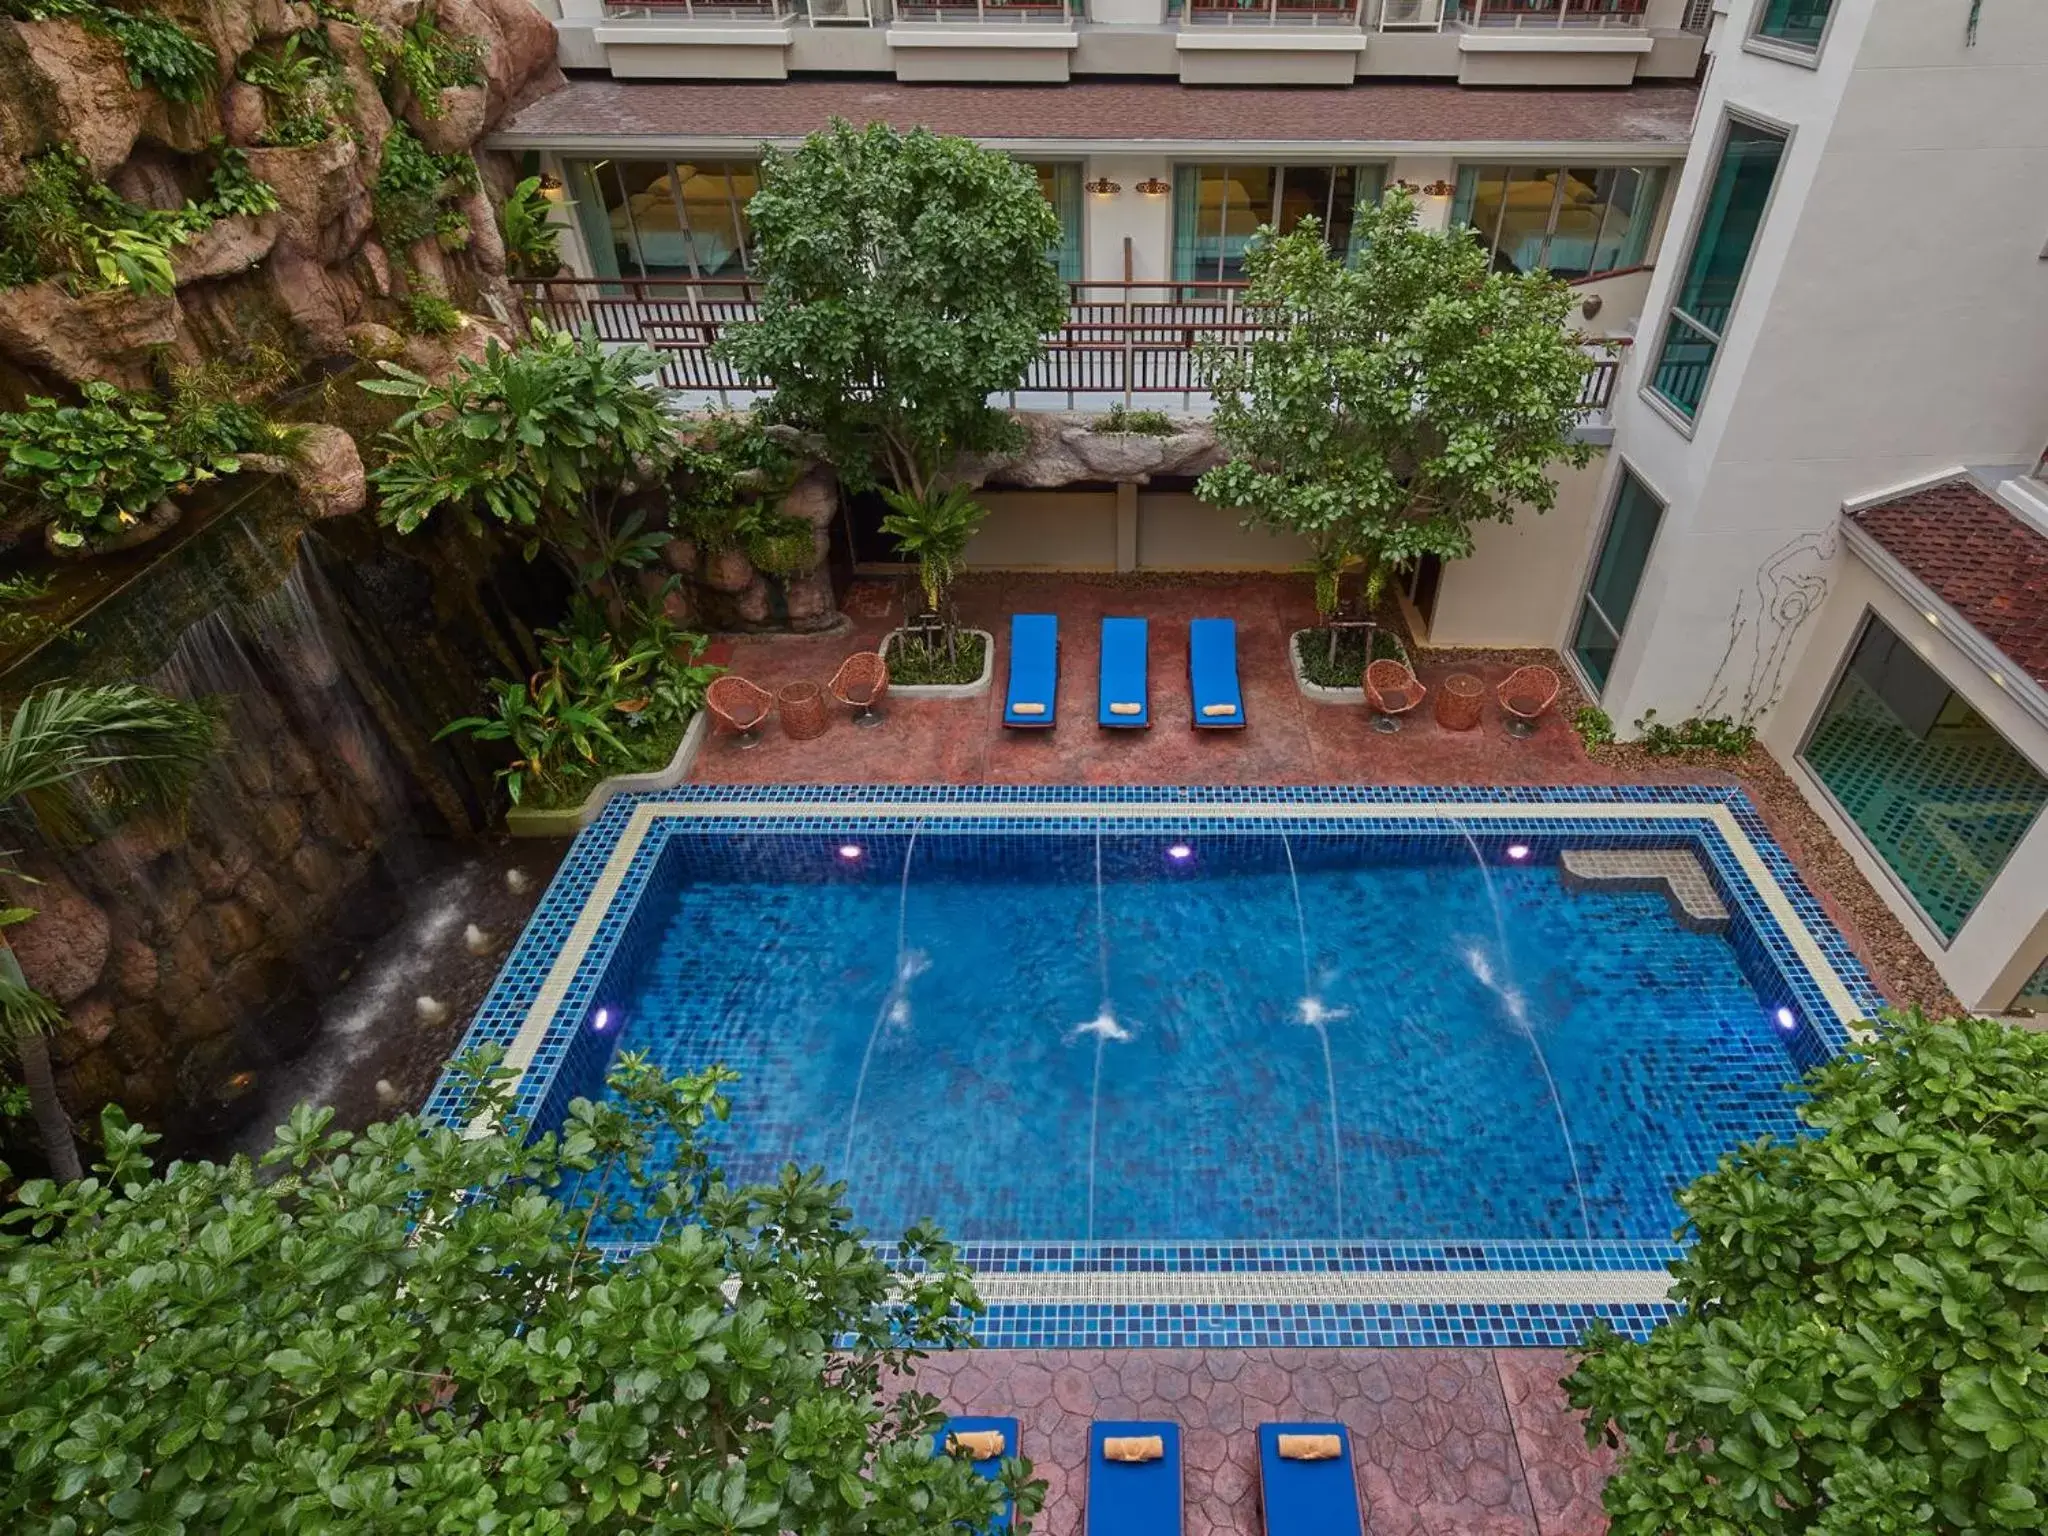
[{"x": 51, "y": 1122}]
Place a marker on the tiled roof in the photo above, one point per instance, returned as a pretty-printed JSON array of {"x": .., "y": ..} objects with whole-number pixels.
[
  {"x": 1977, "y": 556},
  {"x": 1155, "y": 111}
]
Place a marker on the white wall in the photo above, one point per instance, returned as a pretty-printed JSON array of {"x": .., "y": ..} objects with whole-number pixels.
[
  {"x": 1893, "y": 321},
  {"x": 1517, "y": 588}
]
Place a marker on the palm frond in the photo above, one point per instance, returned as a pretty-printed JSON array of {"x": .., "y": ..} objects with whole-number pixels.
[
  {"x": 117, "y": 746},
  {"x": 23, "y": 1010}
]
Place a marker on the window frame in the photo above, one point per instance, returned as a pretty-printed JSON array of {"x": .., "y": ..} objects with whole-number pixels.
[
  {"x": 1625, "y": 471},
  {"x": 1382, "y": 167},
  {"x": 1489, "y": 240},
  {"x": 1869, "y": 617},
  {"x": 1788, "y": 53},
  {"x": 590, "y": 168},
  {"x": 1686, "y": 426}
]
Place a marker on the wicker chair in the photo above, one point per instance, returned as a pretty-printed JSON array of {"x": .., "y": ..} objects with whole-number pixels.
[
  {"x": 740, "y": 706},
  {"x": 1392, "y": 691},
  {"x": 859, "y": 684},
  {"x": 1526, "y": 696}
]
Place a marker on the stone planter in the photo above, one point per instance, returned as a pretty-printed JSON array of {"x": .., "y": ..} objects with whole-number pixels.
[
  {"x": 1324, "y": 695},
  {"x": 159, "y": 520},
  {"x": 567, "y": 821},
  {"x": 973, "y": 690}
]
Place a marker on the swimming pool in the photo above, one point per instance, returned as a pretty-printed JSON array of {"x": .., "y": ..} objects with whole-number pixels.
[{"x": 1197, "y": 1031}]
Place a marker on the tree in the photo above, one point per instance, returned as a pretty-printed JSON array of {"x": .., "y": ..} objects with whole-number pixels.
[
  {"x": 1391, "y": 405},
  {"x": 1863, "y": 1345},
  {"x": 906, "y": 278},
  {"x": 544, "y": 440},
  {"x": 411, "y": 1330},
  {"x": 72, "y": 759},
  {"x": 935, "y": 531}
]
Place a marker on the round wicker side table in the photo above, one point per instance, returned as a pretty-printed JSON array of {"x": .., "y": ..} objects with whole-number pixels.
[
  {"x": 802, "y": 707},
  {"x": 1458, "y": 701}
]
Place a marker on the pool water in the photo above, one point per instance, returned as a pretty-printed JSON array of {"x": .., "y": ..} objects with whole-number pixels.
[{"x": 1063, "y": 1037}]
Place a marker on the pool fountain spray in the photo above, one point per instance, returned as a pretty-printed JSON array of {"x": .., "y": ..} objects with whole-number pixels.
[
  {"x": 895, "y": 1005},
  {"x": 1311, "y": 1011},
  {"x": 1516, "y": 1007}
]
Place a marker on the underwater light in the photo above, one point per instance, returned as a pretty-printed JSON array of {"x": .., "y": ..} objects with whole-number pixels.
[
  {"x": 601, "y": 1019},
  {"x": 1180, "y": 853},
  {"x": 849, "y": 850},
  {"x": 1787, "y": 1019},
  {"x": 1518, "y": 850}
]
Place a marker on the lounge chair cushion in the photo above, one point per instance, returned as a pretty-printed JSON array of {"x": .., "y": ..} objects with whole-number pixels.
[
  {"x": 1133, "y": 1448},
  {"x": 1134, "y": 1497},
  {"x": 1032, "y": 692},
  {"x": 1215, "y": 710},
  {"x": 977, "y": 1444},
  {"x": 989, "y": 1466},
  {"x": 1027, "y": 709},
  {"x": 1308, "y": 1498},
  {"x": 1310, "y": 1447},
  {"x": 1122, "y": 683},
  {"x": 1121, "y": 708},
  {"x": 1212, "y": 674}
]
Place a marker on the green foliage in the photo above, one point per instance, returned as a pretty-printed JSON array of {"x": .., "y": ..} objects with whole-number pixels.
[
  {"x": 1863, "y": 1349},
  {"x": 303, "y": 86},
  {"x": 1594, "y": 726},
  {"x": 429, "y": 314},
  {"x": 72, "y": 755},
  {"x": 98, "y": 467},
  {"x": 914, "y": 662},
  {"x": 904, "y": 281},
  {"x": 532, "y": 237},
  {"x": 1120, "y": 419},
  {"x": 408, "y": 1330},
  {"x": 162, "y": 56},
  {"x": 541, "y": 440},
  {"x": 1700, "y": 733},
  {"x": 724, "y": 472},
  {"x": 423, "y": 58},
  {"x": 412, "y": 185},
  {"x": 934, "y": 530},
  {"x": 1343, "y": 664},
  {"x": 782, "y": 546},
  {"x": 609, "y": 698},
  {"x": 1394, "y": 403},
  {"x": 66, "y": 223}
]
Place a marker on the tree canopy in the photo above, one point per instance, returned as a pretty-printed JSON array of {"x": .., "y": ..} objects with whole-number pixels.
[
  {"x": 906, "y": 278},
  {"x": 1389, "y": 405},
  {"x": 411, "y": 1330},
  {"x": 1863, "y": 1349}
]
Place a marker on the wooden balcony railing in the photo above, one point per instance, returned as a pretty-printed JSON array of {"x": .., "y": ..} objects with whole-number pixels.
[
  {"x": 1000, "y": 13},
  {"x": 1120, "y": 339},
  {"x": 713, "y": 12},
  {"x": 1273, "y": 13},
  {"x": 1552, "y": 13}
]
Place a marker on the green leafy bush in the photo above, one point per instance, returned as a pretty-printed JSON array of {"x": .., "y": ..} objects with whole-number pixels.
[
  {"x": 303, "y": 86},
  {"x": 1119, "y": 419},
  {"x": 161, "y": 55},
  {"x": 409, "y": 1330},
  {"x": 97, "y": 468},
  {"x": 429, "y": 314},
  {"x": 1700, "y": 733},
  {"x": 1346, "y": 669},
  {"x": 531, "y": 235},
  {"x": 608, "y": 699},
  {"x": 782, "y": 546},
  {"x": 423, "y": 58},
  {"x": 927, "y": 659},
  {"x": 1863, "y": 1349},
  {"x": 412, "y": 185},
  {"x": 1594, "y": 725}
]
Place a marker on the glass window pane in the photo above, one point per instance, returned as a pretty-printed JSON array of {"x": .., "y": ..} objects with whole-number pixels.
[
  {"x": 1304, "y": 193},
  {"x": 1625, "y": 550},
  {"x": 649, "y": 220},
  {"x": 1060, "y": 185},
  {"x": 1489, "y": 197},
  {"x": 745, "y": 179},
  {"x": 1358, "y": 186},
  {"x": 596, "y": 199},
  {"x": 1941, "y": 797},
  {"x": 1575, "y": 236},
  {"x": 1594, "y": 644},
  {"x": 1244, "y": 201},
  {"x": 1683, "y": 366},
  {"x": 1525, "y": 220},
  {"x": 1799, "y": 22},
  {"x": 708, "y": 213},
  {"x": 1735, "y": 209}
]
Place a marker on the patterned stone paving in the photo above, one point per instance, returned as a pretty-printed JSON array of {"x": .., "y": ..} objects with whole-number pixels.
[{"x": 1446, "y": 1442}]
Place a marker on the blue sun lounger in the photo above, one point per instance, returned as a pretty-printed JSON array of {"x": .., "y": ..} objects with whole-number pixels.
[
  {"x": 1033, "y": 699},
  {"x": 992, "y": 1467},
  {"x": 1122, "y": 694},
  {"x": 1307, "y": 1498},
  {"x": 1134, "y": 1498},
  {"x": 1212, "y": 675}
]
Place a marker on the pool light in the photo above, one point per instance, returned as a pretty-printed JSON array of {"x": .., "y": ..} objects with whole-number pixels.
[
  {"x": 1787, "y": 1019},
  {"x": 601, "y": 1020},
  {"x": 849, "y": 851},
  {"x": 1518, "y": 850},
  {"x": 1180, "y": 853}
]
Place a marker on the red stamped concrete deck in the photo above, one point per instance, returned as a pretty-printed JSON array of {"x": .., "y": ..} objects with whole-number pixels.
[{"x": 1473, "y": 1442}]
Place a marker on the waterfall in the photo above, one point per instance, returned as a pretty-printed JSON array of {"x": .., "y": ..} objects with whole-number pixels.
[{"x": 1310, "y": 1011}]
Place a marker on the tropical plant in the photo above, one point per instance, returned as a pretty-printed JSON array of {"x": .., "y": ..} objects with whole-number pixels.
[
  {"x": 73, "y": 760},
  {"x": 423, "y": 58},
  {"x": 1386, "y": 407},
  {"x": 1698, "y": 733},
  {"x": 542, "y": 440},
  {"x": 1121, "y": 419},
  {"x": 412, "y": 1330},
  {"x": 607, "y": 696},
  {"x": 430, "y": 314},
  {"x": 527, "y": 226},
  {"x": 301, "y": 81},
  {"x": 904, "y": 280},
  {"x": 1862, "y": 1346},
  {"x": 1594, "y": 725},
  {"x": 934, "y": 529},
  {"x": 97, "y": 468},
  {"x": 161, "y": 55},
  {"x": 413, "y": 183}
]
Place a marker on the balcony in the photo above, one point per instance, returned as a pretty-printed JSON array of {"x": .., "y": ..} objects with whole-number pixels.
[
  {"x": 716, "y": 13},
  {"x": 1122, "y": 341},
  {"x": 986, "y": 13},
  {"x": 1273, "y": 13},
  {"x": 1554, "y": 15}
]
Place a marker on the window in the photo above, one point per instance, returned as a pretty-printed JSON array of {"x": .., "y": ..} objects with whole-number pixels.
[
  {"x": 1736, "y": 199},
  {"x": 1217, "y": 207},
  {"x": 1603, "y": 613},
  {"x": 665, "y": 218},
  {"x": 1061, "y": 185},
  {"x": 1795, "y": 23},
  {"x": 1938, "y": 794},
  {"x": 1572, "y": 221}
]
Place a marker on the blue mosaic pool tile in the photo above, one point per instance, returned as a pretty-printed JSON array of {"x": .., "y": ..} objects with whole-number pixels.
[{"x": 1307, "y": 1325}]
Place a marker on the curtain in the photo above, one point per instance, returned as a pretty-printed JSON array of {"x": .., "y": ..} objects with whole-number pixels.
[
  {"x": 593, "y": 217},
  {"x": 1066, "y": 202},
  {"x": 1367, "y": 183},
  {"x": 1187, "y": 219}
]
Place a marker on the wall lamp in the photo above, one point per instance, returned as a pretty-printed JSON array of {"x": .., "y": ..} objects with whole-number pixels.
[
  {"x": 1102, "y": 186},
  {"x": 1152, "y": 186}
]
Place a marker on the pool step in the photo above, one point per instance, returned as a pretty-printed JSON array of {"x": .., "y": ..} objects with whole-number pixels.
[{"x": 1677, "y": 872}]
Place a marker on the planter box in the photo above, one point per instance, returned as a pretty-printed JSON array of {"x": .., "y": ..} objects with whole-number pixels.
[
  {"x": 973, "y": 690},
  {"x": 1324, "y": 695},
  {"x": 567, "y": 821}
]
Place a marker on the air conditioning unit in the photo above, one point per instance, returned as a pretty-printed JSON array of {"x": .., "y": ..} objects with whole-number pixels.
[
  {"x": 857, "y": 13},
  {"x": 1411, "y": 13}
]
